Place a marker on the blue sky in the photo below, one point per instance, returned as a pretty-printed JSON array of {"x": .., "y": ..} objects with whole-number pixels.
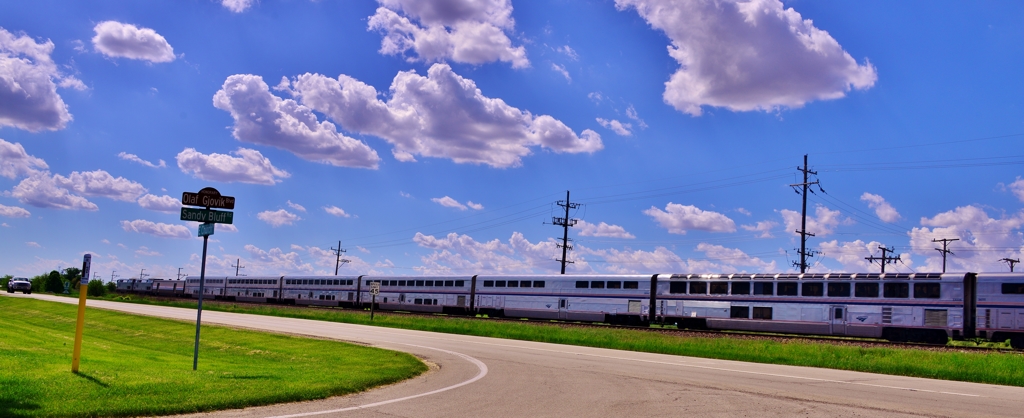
[{"x": 436, "y": 136}]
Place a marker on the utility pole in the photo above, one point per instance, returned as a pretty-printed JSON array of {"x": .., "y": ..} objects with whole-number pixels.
[
  {"x": 1011, "y": 262},
  {"x": 338, "y": 261},
  {"x": 565, "y": 223},
  {"x": 179, "y": 273},
  {"x": 112, "y": 275},
  {"x": 945, "y": 243},
  {"x": 803, "y": 218},
  {"x": 142, "y": 274},
  {"x": 883, "y": 260},
  {"x": 237, "y": 265}
]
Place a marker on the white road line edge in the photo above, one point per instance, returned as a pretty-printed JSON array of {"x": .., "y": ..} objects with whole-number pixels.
[{"x": 479, "y": 364}]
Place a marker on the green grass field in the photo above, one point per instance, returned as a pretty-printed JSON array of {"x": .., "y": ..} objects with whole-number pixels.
[
  {"x": 970, "y": 366},
  {"x": 134, "y": 365}
]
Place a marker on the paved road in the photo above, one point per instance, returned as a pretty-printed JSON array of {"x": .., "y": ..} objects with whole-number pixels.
[{"x": 474, "y": 377}]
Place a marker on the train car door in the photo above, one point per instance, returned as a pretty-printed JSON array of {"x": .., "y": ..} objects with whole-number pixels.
[
  {"x": 563, "y": 308},
  {"x": 838, "y": 319}
]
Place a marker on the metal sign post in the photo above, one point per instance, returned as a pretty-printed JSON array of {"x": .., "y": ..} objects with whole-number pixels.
[
  {"x": 374, "y": 291},
  {"x": 83, "y": 289},
  {"x": 207, "y": 198}
]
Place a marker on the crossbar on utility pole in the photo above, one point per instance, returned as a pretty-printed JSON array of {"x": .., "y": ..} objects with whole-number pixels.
[
  {"x": 338, "y": 262},
  {"x": 237, "y": 265},
  {"x": 883, "y": 260},
  {"x": 945, "y": 250},
  {"x": 1011, "y": 262}
]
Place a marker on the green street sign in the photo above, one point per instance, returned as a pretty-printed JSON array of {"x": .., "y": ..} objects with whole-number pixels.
[
  {"x": 206, "y": 229},
  {"x": 203, "y": 215}
]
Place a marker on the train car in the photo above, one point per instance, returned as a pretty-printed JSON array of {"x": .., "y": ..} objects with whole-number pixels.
[
  {"x": 899, "y": 307},
  {"x": 168, "y": 287},
  {"x": 925, "y": 307},
  {"x": 1000, "y": 307},
  {"x": 134, "y": 285},
  {"x": 212, "y": 287}
]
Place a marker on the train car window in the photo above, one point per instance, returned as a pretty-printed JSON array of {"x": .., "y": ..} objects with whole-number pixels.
[
  {"x": 719, "y": 288},
  {"x": 449, "y": 283},
  {"x": 420, "y": 283},
  {"x": 813, "y": 289},
  {"x": 926, "y": 291},
  {"x": 867, "y": 290},
  {"x": 460, "y": 283},
  {"x": 763, "y": 312},
  {"x": 438, "y": 283},
  {"x": 764, "y": 289},
  {"x": 698, "y": 288},
  {"x": 394, "y": 283},
  {"x": 430, "y": 283},
  {"x": 787, "y": 289},
  {"x": 499, "y": 283},
  {"x": 401, "y": 282},
  {"x": 896, "y": 290},
  {"x": 582, "y": 284},
  {"x": 513, "y": 283},
  {"x": 741, "y": 288},
  {"x": 487, "y": 283},
  {"x": 524, "y": 283},
  {"x": 838, "y": 290},
  {"x": 305, "y": 282},
  {"x": 1013, "y": 288},
  {"x": 351, "y": 282},
  {"x": 538, "y": 283},
  {"x": 597, "y": 285},
  {"x": 630, "y": 285},
  {"x": 739, "y": 312},
  {"x": 614, "y": 285},
  {"x": 417, "y": 301}
]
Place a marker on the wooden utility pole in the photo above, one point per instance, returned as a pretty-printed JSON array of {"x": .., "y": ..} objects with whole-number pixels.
[
  {"x": 339, "y": 261},
  {"x": 1011, "y": 262},
  {"x": 238, "y": 265},
  {"x": 883, "y": 260},
  {"x": 945, "y": 250},
  {"x": 565, "y": 223},
  {"x": 803, "y": 218}
]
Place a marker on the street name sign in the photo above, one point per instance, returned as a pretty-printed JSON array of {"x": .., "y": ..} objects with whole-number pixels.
[
  {"x": 208, "y": 197},
  {"x": 206, "y": 229},
  {"x": 204, "y": 215}
]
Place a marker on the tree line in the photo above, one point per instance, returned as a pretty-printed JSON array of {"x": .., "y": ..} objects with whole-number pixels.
[{"x": 57, "y": 282}]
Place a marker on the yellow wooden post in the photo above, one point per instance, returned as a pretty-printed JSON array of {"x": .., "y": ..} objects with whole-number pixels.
[{"x": 83, "y": 290}]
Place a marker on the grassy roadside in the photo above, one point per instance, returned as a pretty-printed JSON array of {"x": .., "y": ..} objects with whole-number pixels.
[
  {"x": 981, "y": 367},
  {"x": 134, "y": 365}
]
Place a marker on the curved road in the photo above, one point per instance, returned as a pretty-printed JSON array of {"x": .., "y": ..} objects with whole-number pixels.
[{"x": 476, "y": 376}]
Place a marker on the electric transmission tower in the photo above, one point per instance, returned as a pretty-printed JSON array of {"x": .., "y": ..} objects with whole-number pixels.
[
  {"x": 883, "y": 260},
  {"x": 338, "y": 262},
  {"x": 945, "y": 250},
  {"x": 565, "y": 223},
  {"x": 238, "y": 265},
  {"x": 1011, "y": 262},
  {"x": 804, "y": 254}
]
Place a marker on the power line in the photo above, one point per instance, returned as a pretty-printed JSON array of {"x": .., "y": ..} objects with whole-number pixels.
[{"x": 883, "y": 260}]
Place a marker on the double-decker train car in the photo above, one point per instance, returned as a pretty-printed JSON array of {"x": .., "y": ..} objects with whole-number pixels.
[{"x": 925, "y": 307}]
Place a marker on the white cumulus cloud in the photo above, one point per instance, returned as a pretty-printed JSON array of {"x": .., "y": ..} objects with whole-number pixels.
[
  {"x": 620, "y": 128},
  {"x": 749, "y": 55},
  {"x": 1017, "y": 187},
  {"x": 466, "y": 31},
  {"x": 883, "y": 209},
  {"x": 156, "y": 228},
  {"x": 101, "y": 183},
  {"x": 558, "y": 68},
  {"x": 163, "y": 203},
  {"x": 602, "y": 229},
  {"x": 678, "y": 219},
  {"x": 15, "y": 162},
  {"x": 28, "y": 85},
  {"x": 982, "y": 239},
  {"x": 14, "y": 212},
  {"x": 822, "y": 223},
  {"x": 763, "y": 228},
  {"x": 135, "y": 158},
  {"x": 263, "y": 118},
  {"x": 735, "y": 257},
  {"x": 278, "y": 217},
  {"x": 448, "y": 202},
  {"x": 248, "y": 167},
  {"x": 296, "y": 206},
  {"x": 116, "y": 39},
  {"x": 42, "y": 191},
  {"x": 237, "y": 6},
  {"x": 442, "y": 115},
  {"x": 336, "y": 211}
]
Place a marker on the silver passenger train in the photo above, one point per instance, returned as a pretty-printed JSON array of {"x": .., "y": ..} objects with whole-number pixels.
[{"x": 922, "y": 307}]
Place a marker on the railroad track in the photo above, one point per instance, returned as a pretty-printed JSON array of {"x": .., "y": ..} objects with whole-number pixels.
[{"x": 685, "y": 332}]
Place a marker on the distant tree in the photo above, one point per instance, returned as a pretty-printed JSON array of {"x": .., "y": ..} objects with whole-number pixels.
[
  {"x": 39, "y": 282},
  {"x": 96, "y": 288},
  {"x": 111, "y": 287},
  {"x": 4, "y": 280},
  {"x": 53, "y": 283},
  {"x": 72, "y": 275}
]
